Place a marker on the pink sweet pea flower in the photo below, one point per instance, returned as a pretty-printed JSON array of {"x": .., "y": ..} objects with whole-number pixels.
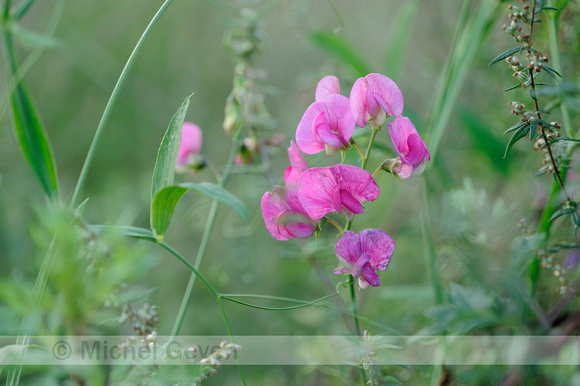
[
  {"x": 375, "y": 97},
  {"x": 190, "y": 146},
  {"x": 298, "y": 165},
  {"x": 284, "y": 216},
  {"x": 327, "y": 86},
  {"x": 326, "y": 125},
  {"x": 282, "y": 211},
  {"x": 362, "y": 255},
  {"x": 336, "y": 189},
  {"x": 410, "y": 147}
]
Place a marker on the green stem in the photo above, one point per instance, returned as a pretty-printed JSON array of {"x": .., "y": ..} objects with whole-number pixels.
[
  {"x": 302, "y": 305},
  {"x": 369, "y": 147},
  {"x": 333, "y": 222},
  {"x": 113, "y": 99},
  {"x": 429, "y": 250},
  {"x": 231, "y": 338},
  {"x": 205, "y": 239},
  {"x": 6, "y": 15}
]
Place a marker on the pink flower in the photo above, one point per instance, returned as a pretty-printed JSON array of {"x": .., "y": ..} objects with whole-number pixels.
[
  {"x": 410, "y": 147},
  {"x": 362, "y": 255},
  {"x": 284, "y": 216},
  {"x": 327, "y": 86},
  {"x": 282, "y": 211},
  {"x": 326, "y": 125},
  {"x": 375, "y": 97},
  {"x": 336, "y": 189},
  {"x": 190, "y": 146},
  {"x": 298, "y": 165}
]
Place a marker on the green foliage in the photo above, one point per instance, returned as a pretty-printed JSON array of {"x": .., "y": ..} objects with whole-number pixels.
[
  {"x": 32, "y": 138},
  {"x": 337, "y": 46}
]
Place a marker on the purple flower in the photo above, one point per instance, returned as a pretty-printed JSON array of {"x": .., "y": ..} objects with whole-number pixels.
[
  {"x": 336, "y": 189},
  {"x": 362, "y": 255},
  {"x": 327, "y": 86},
  {"x": 410, "y": 147},
  {"x": 190, "y": 146},
  {"x": 326, "y": 125},
  {"x": 375, "y": 97}
]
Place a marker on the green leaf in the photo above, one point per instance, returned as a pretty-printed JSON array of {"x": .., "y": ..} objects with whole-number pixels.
[
  {"x": 575, "y": 219},
  {"x": 168, "y": 150},
  {"x": 342, "y": 50},
  {"x": 533, "y": 127},
  {"x": 515, "y": 127},
  {"x": 513, "y": 87},
  {"x": 167, "y": 198},
  {"x": 162, "y": 209},
  {"x": 221, "y": 194},
  {"x": 31, "y": 39},
  {"x": 553, "y": 73},
  {"x": 521, "y": 133},
  {"x": 138, "y": 233},
  {"x": 561, "y": 212},
  {"x": 504, "y": 55},
  {"x": 31, "y": 136}
]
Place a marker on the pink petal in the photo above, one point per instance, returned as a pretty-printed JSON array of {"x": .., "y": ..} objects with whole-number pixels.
[
  {"x": 327, "y": 86},
  {"x": 350, "y": 203},
  {"x": 357, "y": 181},
  {"x": 388, "y": 91},
  {"x": 283, "y": 219},
  {"x": 358, "y": 102},
  {"x": 191, "y": 139},
  {"x": 316, "y": 188},
  {"x": 369, "y": 93},
  {"x": 359, "y": 265},
  {"x": 297, "y": 162},
  {"x": 417, "y": 151},
  {"x": 323, "y": 132},
  {"x": 369, "y": 276},
  {"x": 348, "y": 247},
  {"x": 340, "y": 117},
  {"x": 305, "y": 136},
  {"x": 379, "y": 245},
  {"x": 409, "y": 146}
]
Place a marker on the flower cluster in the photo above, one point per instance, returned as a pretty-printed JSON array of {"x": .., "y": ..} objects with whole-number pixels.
[{"x": 310, "y": 194}]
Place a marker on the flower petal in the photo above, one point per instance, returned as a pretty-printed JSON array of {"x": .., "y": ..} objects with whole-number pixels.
[
  {"x": 283, "y": 215},
  {"x": 379, "y": 245},
  {"x": 297, "y": 162},
  {"x": 327, "y": 86},
  {"x": 348, "y": 247},
  {"x": 340, "y": 117},
  {"x": 305, "y": 136},
  {"x": 316, "y": 191},
  {"x": 191, "y": 140},
  {"x": 358, "y": 102}
]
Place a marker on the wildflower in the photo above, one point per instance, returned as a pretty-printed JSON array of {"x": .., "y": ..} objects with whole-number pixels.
[
  {"x": 411, "y": 149},
  {"x": 190, "y": 147},
  {"x": 375, "y": 97},
  {"x": 327, "y": 86},
  {"x": 283, "y": 213},
  {"x": 326, "y": 125},
  {"x": 362, "y": 255},
  {"x": 336, "y": 189}
]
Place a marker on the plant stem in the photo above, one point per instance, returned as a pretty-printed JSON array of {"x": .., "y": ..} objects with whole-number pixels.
[
  {"x": 205, "y": 238},
  {"x": 113, "y": 100},
  {"x": 333, "y": 222},
  {"x": 369, "y": 147},
  {"x": 231, "y": 338},
  {"x": 357, "y": 147}
]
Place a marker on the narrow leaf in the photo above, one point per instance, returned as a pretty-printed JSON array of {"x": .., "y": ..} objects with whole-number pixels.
[
  {"x": 575, "y": 219},
  {"x": 512, "y": 87},
  {"x": 162, "y": 209},
  {"x": 504, "y": 55},
  {"x": 521, "y": 133},
  {"x": 167, "y": 198},
  {"x": 32, "y": 138},
  {"x": 217, "y": 192},
  {"x": 533, "y": 127},
  {"x": 342, "y": 50},
  {"x": 555, "y": 74},
  {"x": 139, "y": 233},
  {"x": 168, "y": 150},
  {"x": 515, "y": 127},
  {"x": 560, "y": 213}
]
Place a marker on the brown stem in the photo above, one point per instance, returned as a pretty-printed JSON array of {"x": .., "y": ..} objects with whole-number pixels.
[{"x": 542, "y": 132}]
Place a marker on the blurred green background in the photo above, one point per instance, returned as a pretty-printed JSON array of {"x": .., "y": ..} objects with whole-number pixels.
[{"x": 472, "y": 200}]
